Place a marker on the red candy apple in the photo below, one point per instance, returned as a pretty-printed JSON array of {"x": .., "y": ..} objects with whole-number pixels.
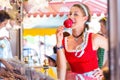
[{"x": 68, "y": 23}]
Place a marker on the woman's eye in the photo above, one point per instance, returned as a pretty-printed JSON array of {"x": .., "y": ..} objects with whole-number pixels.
[
  {"x": 75, "y": 14},
  {"x": 70, "y": 14}
]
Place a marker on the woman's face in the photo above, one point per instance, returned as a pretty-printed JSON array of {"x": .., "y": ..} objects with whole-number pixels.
[
  {"x": 77, "y": 16},
  {"x": 3, "y": 23},
  {"x": 103, "y": 28}
]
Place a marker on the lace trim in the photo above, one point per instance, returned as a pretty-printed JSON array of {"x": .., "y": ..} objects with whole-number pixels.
[{"x": 82, "y": 46}]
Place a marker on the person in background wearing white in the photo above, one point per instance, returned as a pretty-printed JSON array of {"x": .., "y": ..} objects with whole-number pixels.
[{"x": 5, "y": 47}]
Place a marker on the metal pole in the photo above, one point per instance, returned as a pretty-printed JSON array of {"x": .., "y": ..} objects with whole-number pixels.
[
  {"x": 20, "y": 14},
  {"x": 114, "y": 38}
]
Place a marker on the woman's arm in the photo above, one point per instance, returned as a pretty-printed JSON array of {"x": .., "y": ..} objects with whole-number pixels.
[
  {"x": 61, "y": 60},
  {"x": 99, "y": 41},
  {"x": 61, "y": 64}
]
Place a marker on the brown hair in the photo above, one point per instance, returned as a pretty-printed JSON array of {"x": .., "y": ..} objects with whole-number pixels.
[{"x": 4, "y": 15}]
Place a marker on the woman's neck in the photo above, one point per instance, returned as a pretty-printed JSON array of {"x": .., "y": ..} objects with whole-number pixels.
[{"x": 77, "y": 33}]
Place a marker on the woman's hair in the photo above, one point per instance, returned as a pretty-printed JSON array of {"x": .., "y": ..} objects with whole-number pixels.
[
  {"x": 86, "y": 12},
  {"x": 4, "y": 15},
  {"x": 103, "y": 20}
]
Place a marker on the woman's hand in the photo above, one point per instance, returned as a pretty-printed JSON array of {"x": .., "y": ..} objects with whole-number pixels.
[
  {"x": 98, "y": 73},
  {"x": 59, "y": 35}
]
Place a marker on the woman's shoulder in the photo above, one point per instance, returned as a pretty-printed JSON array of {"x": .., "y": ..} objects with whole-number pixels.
[
  {"x": 98, "y": 36},
  {"x": 99, "y": 40}
]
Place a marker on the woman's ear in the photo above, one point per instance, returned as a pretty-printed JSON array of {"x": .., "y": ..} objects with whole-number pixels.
[{"x": 85, "y": 18}]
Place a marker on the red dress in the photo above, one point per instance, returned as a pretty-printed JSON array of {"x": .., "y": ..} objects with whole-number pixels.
[{"x": 87, "y": 62}]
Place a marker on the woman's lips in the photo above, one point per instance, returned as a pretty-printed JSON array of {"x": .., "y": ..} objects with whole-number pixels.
[{"x": 68, "y": 23}]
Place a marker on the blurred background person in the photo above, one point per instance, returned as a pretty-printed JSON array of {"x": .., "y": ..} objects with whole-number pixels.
[
  {"x": 52, "y": 60},
  {"x": 5, "y": 47},
  {"x": 50, "y": 65},
  {"x": 102, "y": 55},
  {"x": 103, "y": 27}
]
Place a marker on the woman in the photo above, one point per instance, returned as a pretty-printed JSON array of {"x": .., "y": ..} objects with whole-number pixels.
[
  {"x": 80, "y": 48},
  {"x": 5, "y": 48}
]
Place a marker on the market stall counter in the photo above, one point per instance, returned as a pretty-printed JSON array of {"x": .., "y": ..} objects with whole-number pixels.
[{"x": 12, "y": 69}]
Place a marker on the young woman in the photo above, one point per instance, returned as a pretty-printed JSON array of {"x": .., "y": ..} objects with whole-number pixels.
[
  {"x": 80, "y": 48},
  {"x": 5, "y": 48}
]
